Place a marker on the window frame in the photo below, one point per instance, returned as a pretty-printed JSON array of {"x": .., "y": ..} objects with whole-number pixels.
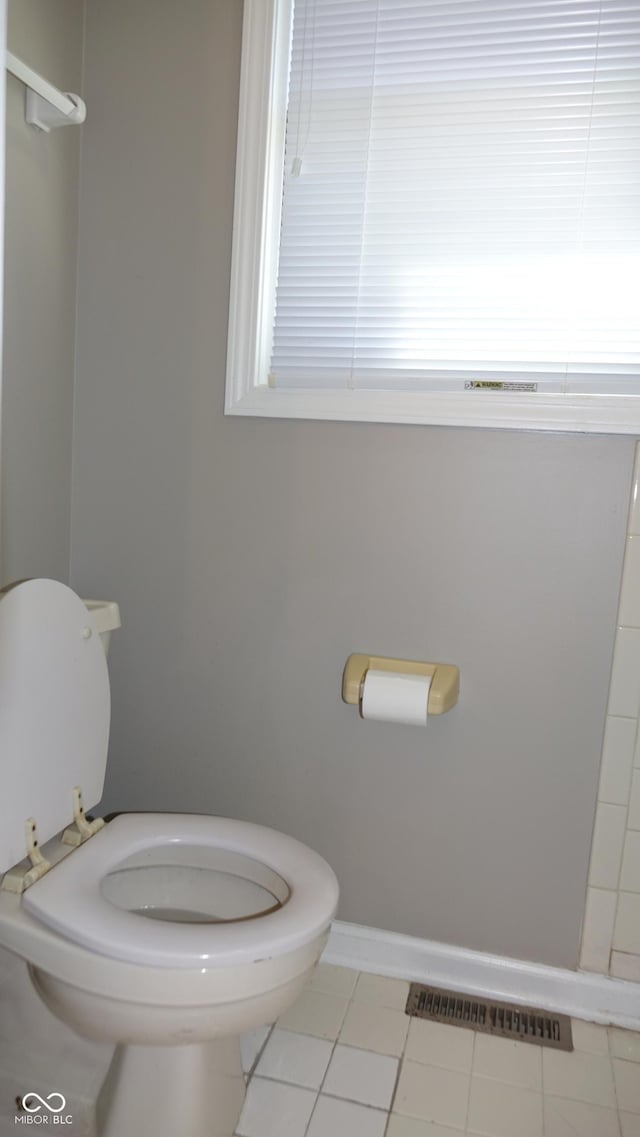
[{"x": 266, "y": 40}]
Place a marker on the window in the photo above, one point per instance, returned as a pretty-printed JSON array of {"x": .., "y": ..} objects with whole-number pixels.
[{"x": 437, "y": 213}]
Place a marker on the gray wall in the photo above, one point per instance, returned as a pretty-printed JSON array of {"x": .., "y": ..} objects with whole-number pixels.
[
  {"x": 250, "y": 557},
  {"x": 40, "y": 300}
]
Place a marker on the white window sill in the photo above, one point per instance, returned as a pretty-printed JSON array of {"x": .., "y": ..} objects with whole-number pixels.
[{"x": 585, "y": 413}]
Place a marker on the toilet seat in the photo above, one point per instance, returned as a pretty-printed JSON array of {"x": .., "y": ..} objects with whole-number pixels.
[{"x": 70, "y": 900}]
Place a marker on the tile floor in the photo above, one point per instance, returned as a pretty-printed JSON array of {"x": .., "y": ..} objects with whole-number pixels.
[{"x": 345, "y": 1061}]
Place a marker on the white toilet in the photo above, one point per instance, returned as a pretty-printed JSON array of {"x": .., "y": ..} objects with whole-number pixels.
[{"x": 166, "y": 934}]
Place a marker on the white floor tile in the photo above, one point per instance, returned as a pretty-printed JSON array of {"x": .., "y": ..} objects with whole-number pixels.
[
  {"x": 432, "y": 1094},
  {"x": 411, "y": 1127},
  {"x": 335, "y": 1118},
  {"x": 316, "y": 1013},
  {"x": 452, "y": 1081},
  {"x": 272, "y": 1109},
  {"x": 518, "y": 1063},
  {"x": 297, "y": 1058},
  {"x": 582, "y": 1077},
  {"x": 375, "y": 1028},
  {"x": 627, "y": 1077},
  {"x": 361, "y": 1076},
  {"x": 334, "y": 980},
  {"x": 437, "y": 1044},
  {"x": 251, "y": 1044},
  {"x": 564, "y": 1118},
  {"x": 624, "y": 1044},
  {"x": 590, "y": 1037},
  {"x": 381, "y": 991},
  {"x": 499, "y": 1110}
]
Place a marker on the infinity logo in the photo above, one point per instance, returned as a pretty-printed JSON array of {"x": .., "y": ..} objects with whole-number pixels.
[{"x": 40, "y": 1102}]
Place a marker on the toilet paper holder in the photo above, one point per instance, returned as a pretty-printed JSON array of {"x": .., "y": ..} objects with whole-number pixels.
[{"x": 445, "y": 679}]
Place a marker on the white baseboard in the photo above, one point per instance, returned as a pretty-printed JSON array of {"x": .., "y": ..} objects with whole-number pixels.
[{"x": 581, "y": 994}]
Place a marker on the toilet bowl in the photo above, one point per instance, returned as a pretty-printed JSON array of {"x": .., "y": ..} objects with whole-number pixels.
[{"x": 165, "y": 934}]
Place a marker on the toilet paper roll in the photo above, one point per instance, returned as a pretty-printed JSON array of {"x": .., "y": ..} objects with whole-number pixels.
[{"x": 391, "y": 696}]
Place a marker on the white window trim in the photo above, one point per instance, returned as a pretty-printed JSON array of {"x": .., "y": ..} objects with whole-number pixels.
[{"x": 261, "y": 133}]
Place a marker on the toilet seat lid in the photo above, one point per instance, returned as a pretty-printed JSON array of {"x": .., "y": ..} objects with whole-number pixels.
[{"x": 54, "y": 711}]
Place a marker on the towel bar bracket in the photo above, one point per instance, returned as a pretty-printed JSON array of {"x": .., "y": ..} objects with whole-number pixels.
[{"x": 46, "y": 106}]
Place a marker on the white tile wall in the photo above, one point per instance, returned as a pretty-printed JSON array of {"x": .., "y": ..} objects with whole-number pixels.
[
  {"x": 627, "y": 927},
  {"x": 629, "y": 610},
  {"x": 633, "y": 820},
  {"x": 597, "y": 930},
  {"x": 617, "y": 760},
  {"x": 630, "y": 875},
  {"x": 625, "y": 966},
  {"x": 611, "y": 926},
  {"x": 608, "y": 843}
]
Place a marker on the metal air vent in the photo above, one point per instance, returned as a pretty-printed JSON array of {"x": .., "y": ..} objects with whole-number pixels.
[{"x": 522, "y": 1024}]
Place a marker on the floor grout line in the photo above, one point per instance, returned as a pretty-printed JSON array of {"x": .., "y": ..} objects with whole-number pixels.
[
  {"x": 260, "y": 1053},
  {"x": 395, "y": 1084},
  {"x": 473, "y": 1059},
  {"x": 324, "y": 1076},
  {"x": 615, "y": 1087},
  {"x": 401, "y": 1059}
]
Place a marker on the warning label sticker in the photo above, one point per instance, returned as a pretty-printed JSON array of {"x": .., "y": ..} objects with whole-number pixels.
[{"x": 498, "y": 385}]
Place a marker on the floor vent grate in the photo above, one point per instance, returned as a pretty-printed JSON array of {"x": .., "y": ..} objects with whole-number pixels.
[{"x": 524, "y": 1024}]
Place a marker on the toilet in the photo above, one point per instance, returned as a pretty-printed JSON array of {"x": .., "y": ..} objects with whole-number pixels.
[{"x": 165, "y": 934}]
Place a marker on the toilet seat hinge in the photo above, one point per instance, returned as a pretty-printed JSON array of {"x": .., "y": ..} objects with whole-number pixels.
[
  {"x": 81, "y": 830},
  {"x": 18, "y": 879}
]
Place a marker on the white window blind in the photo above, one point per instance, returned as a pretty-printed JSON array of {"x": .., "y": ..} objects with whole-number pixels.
[{"x": 461, "y": 196}]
